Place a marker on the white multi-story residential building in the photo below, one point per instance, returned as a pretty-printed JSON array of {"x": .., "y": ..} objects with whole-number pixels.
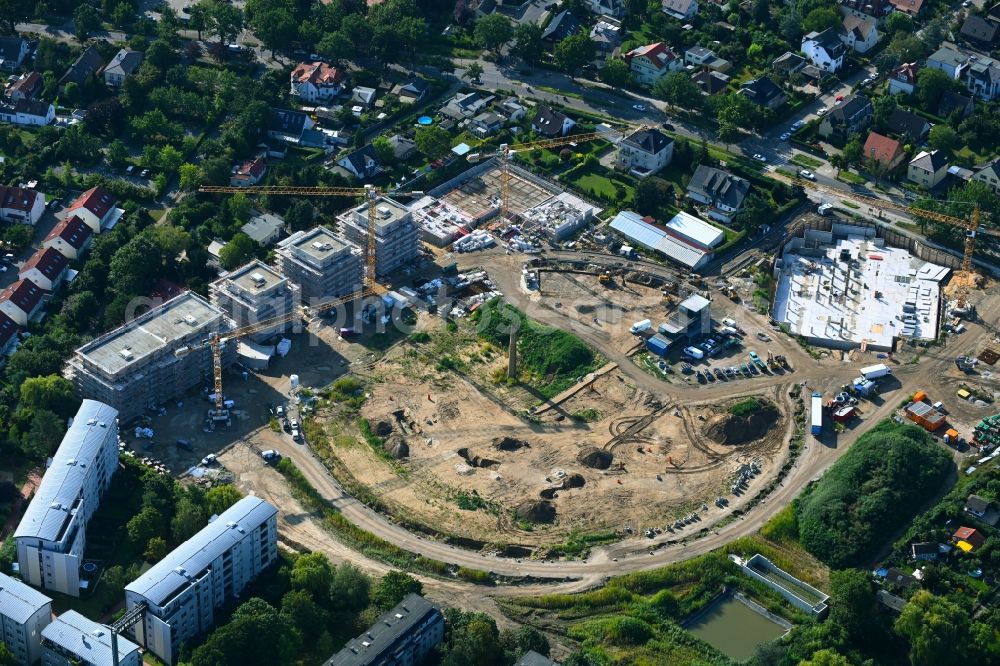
[
  {"x": 255, "y": 293},
  {"x": 401, "y": 637},
  {"x": 183, "y": 590},
  {"x": 51, "y": 536},
  {"x": 24, "y": 612},
  {"x": 317, "y": 81},
  {"x": 323, "y": 265},
  {"x": 824, "y": 49},
  {"x": 73, "y": 640},
  {"x": 651, "y": 62},
  {"x": 645, "y": 152}
]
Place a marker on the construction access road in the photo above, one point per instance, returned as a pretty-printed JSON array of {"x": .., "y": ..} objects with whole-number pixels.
[{"x": 635, "y": 553}]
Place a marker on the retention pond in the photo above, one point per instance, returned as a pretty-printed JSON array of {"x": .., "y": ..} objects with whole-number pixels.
[{"x": 736, "y": 626}]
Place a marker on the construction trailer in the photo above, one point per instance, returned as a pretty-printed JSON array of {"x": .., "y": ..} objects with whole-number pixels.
[
  {"x": 817, "y": 413},
  {"x": 865, "y": 387},
  {"x": 876, "y": 371},
  {"x": 658, "y": 345},
  {"x": 924, "y": 415}
]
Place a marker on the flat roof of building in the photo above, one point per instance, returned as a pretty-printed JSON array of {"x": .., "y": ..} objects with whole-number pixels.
[
  {"x": 390, "y": 627},
  {"x": 50, "y": 508},
  {"x": 190, "y": 558},
  {"x": 695, "y": 303},
  {"x": 387, "y": 212},
  {"x": 877, "y": 294},
  {"x": 318, "y": 242},
  {"x": 157, "y": 329},
  {"x": 632, "y": 226},
  {"x": 696, "y": 229},
  {"x": 86, "y": 639},
  {"x": 255, "y": 276},
  {"x": 19, "y": 601}
]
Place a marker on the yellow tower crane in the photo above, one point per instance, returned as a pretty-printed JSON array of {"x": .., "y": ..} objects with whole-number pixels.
[{"x": 369, "y": 285}]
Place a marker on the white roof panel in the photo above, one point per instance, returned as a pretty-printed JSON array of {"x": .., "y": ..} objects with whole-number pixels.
[
  {"x": 19, "y": 601},
  {"x": 86, "y": 639},
  {"x": 696, "y": 229}
]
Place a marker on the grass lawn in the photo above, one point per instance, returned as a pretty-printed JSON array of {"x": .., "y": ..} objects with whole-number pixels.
[
  {"x": 602, "y": 186},
  {"x": 850, "y": 204},
  {"x": 852, "y": 178},
  {"x": 806, "y": 161},
  {"x": 557, "y": 91}
]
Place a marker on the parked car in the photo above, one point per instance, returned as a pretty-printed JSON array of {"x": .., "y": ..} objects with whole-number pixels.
[
  {"x": 786, "y": 136},
  {"x": 210, "y": 459},
  {"x": 130, "y": 169},
  {"x": 797, "y": 124},
  {"x": 759, "y": 157},
  {"x": 270, "y": 456},
  {"x": 667, "y": 126},
  {"x": 808, "y": 175},
  {"x": 144, "y": 174}
]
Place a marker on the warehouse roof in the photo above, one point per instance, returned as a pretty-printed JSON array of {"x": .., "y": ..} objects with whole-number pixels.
[
  {"x": 158, "y": 329},
  {"x": 86, "y": 639},
  {"x": 638, "y": 230},
  {"x": 696, "y": 229},
  {"x": 50, "y": 509},
  {"x": 19, "y": 601},
  {"x": 175, "y": 571}
]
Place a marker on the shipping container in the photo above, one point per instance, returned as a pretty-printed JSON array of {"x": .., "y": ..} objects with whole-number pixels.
[
  {"x": 875, "y": 371},
  {"x": 658, "y": 345},
  {"x": 817, "y": 413}
]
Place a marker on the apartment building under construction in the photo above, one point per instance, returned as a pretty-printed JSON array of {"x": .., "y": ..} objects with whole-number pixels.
[
  {"x": 152, "y": 359},
  {"x": 396, "y": 236},
  {"x": 254, "y": 294},
  {"x": 323, "y": 265}
]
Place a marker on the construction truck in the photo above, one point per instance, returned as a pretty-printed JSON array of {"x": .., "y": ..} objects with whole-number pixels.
[
  {"x": 606, "y": 279},
  {"x": 782, "y": 361}
]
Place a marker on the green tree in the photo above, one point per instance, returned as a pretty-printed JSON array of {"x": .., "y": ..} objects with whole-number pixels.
[
  {"x": 790, "y": 26},
  {"x": 299, "y": 216},
  {"x": 677, "y": 89},
  {"x": 86, "y": 21},
  {"x": 304, "y": 613},
  {"x": 907, "y": 48},
  {"x": 224, "y": 21},
  {"x": 528, "y": 44},
  {"x": 237, "y": 251},
  {"x": 169, "y": 159},
  {"x": 276, "y": 28},
  {"x": 651, "y": 193},
  {"x": 44, "y": 435},
  {"x": 944, "y": 138},
  {"x": 882, "y": 109},
  {"x": 474, "y": 71},
  {"x": 51, "y": 392},
  {"x": 493, "y": 31},
  {"x": 932, "y": 84},
  {"x": 821, "y": 19},
  {"x": 433, "y": 141},
  {"x": 189, "y": 518},
  {"x": 729, "y": 133},
  {"x": 826, "y": 658},
  {"x": 156, "y": 549},
  {"x": 313, "y": 573},
  {"x": 854, "y": 604},
  {"x": 220, "y": 498},
  {"x": 117, "y": 153},
  {"x": 384, "y": 150},
  {"x": 257, "y": 635},
  {"x": 13, "y": 12},
  {"x": 762, "y": 11},
  {"x": 852, "y": 150},
  {"x": 198, "y": 16},
  {"x": 190, "y": 176},
  {"x": 135, "y": 265},
  {"x": 898, "y": 22},
  {"x": 335, "y": 46},
  {"x": 838, "y": 162},
  {"x": 615, "y": 73},
  {"x": 574, "y": 52},
  {"x": 936, "y": 629},
  {"x": 515, "y": 643},
  {"x": 144, "y": 525},
  {"x": 350, "y": 588},
  {"x": 391, "y": 589},
  {"x": 7, "y": 657}
]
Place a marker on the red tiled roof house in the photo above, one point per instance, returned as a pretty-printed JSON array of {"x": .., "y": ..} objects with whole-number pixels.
[
  {"x": 96, "y": 207},
  {"x": 46, "y": 268},
  {"x": 21, "y": 300},
  {"x": 249, "y": 173},
  {"x": 887, "y": 152},
  {"x": 19, "y": 205},
  {"x": 72, "y": 237}
]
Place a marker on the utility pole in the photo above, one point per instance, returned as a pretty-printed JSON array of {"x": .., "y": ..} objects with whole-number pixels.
[{"x": 512, "y": 354}]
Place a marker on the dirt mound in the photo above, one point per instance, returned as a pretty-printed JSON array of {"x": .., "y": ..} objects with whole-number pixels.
[
  {"x": 509, "y": 444},
  {"x": 382, "y": 428},
  {"x": 537, "y": 511},
  {"x": 397, "y": 447},
  {"x": 574, "y": 481},
  {"x": 731, "y": 429},
  {"x": 595, "y": 457},
  {"x": 474, "y": 460}
]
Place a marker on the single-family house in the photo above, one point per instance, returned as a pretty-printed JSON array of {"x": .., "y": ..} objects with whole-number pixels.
[
  {"x": 13, "y": 51},
  {"x": 928, "y": 168},
  {"x": 287, "y": 125},
  {"x": 910, "y": 7},
  {"x": 411, "y": 92},
  {"x": 71, "y": 236},
  {"x": 824, "y": 49},
  {"x": 899, "y": 579},
  {"x": 680, "y": 9},
  {"x": 27, "y": 112},
  {"x": 886, "y": 152},
  {"x": 264, "y": 228},
  {"x": 645, "y": 152},
  {"x": 122, "y": 66},
  {"x": 711, "y": 83},
  {"x": 21, "y": 300},
  {"x": 46, "y": 268},
  {"x": 764, "y": 92},
  {"x": 651, "y": 62},
  {"x": 551, "y": 123},
  {"x": 317, "y": 81},
  {"x": 402, "y": 147},
  {"x": 466, "y": 105},
  {"x": 720, "y": 190},
  {"x": 364, "y": 95},
  {"x": 475, "y": 9},
  {"x": 27, "y": 86},
  {"x": 983, "y": 77},
  {"x": 607, "y": 35},
  {"x": 511, "y": 111},
  {"x": 19, "y": 205},
  {"x": 560, "y": 27},
  {"x": 989, "y": 174},
  {"x": 96, "y": 208},
  {"x": 979, "y": 30},
  {"x": 248, "y": 173},
  {"x": 949, "y": 61},
  {"x": 853, "y": 115},
  {"x": 87, "y": 65},
  {"x": 612, "y": 8},
  {"x": 953, "y": 102},
  {"x": 363, "y": 163},
  {"x": 903, "y": 79},
  {"x": 859, "y": 34},
  {"x": 968, "y": 535},
  {"x": 924, "y": 551},
  {"x": 788, "y": 63},
  {"x": 699, "y": 56},
  {"x": 908, "y": 125},
  {"x": 874, "y": 10},
  {"x": 977, "y": 506},
  {"x": 486, "y": 124},
  {"x": 8, "y": 335}
]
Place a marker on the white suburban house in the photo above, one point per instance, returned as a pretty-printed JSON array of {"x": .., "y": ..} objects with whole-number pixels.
[
  {"x": 824, "y": 49},
  {"x": 651, "y": 62},
  {"x": 680, "y": 9},
  {"x": 122, "y": 66},
  {"x": 949, "y": 61},
  {"x": 859, "y": 34},
  {"x": 645, "y": 152},
  {"x": 19, "y": 205},
  {"x": 928, "y": 169},
  {"x": 317, "y": 81},
  {"x": 903, "y": 79},
  {"x": 27, "y": 112}
]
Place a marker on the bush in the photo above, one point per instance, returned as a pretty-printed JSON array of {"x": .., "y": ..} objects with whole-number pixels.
[
  {"x": 746, "y": 407},
  {"x": 867, "y": 494}
]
